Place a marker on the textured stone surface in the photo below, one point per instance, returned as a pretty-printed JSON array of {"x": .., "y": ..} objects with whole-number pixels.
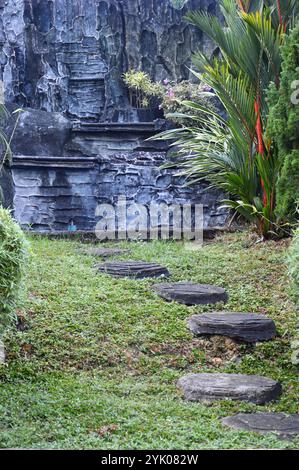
[
  {"x": 104, "y": 252},
  {"x": 52, "y": 191},
  {"x": 285, "y": 426},
  {"x": 69, "y": 57},
  {"x": 41, "y": 133},
  {"x": 248, "y": 327},
  {"x": 213, "y": 387},
  {"x": 135, "y": 269},
  {"x": 189, "y": 293},
  {"x": 65, "y": 61}
]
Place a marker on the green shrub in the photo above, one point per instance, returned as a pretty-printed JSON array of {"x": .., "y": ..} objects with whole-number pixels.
[
  {"x": 283, "y": 128},
  {"x": 293, "y": 262},
  {"x": 13, "y": 253}
]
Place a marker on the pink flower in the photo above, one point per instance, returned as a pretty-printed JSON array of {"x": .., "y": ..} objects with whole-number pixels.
[
  {"x": 206, "y": 88},
  {"x": 166, "y": 81},
  {"x": 170, "y": 93}
]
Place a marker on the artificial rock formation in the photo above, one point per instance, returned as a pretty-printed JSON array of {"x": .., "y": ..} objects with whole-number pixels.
[
  {"x": 64, "y": 56},
  {"x": 79, "y": 144}
]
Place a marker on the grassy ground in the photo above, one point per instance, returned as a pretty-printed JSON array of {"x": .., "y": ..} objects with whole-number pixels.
[{"x": 95, "y": 360}]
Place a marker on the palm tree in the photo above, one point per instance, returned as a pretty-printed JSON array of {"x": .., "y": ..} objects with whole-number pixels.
[{"x": 242, "y": 161}]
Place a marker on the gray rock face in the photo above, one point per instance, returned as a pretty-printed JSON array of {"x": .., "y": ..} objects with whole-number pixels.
[
  {"x": 63, "y": 62},
  {"x": 41, "y": 133},
  {"x": 69, "y": 57},
  {"x": 285, "y": 426},
  {"x": 189, "y": 293},
  {"x": 104, "y": 252},
  {"x": 248, "y": 327},
  {"x": 50, "y": 191},
  {"x": 133, "y": 269},
  {"x": 213, "y": 387}
]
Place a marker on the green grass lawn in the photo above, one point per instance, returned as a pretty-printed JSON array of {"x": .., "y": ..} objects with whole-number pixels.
[{"x": 95, "y": 360}]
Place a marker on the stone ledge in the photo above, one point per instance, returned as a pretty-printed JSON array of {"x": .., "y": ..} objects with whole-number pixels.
[
  {"x": 115, "y": 127},
  {"x": 28, "y": 161}
]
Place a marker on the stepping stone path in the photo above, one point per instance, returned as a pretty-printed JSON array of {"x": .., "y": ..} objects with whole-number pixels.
[
  {"x": 248, "y": 327},
  {"x": 133, "y": 269},
  {"x": 104, "y": 252},
  {"x": 286, "y": 426},
  {"x": 214, "y": 387},
  {"x": 189, "y": 293}
]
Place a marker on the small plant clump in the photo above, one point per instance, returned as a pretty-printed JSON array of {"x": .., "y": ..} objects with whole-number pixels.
[
  {"x": 169, "y": 96},
  {"x": 143, "y": 91}
]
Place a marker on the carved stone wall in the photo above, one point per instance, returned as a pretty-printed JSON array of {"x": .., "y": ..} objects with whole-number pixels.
[
  {"x": 52, "y": 193},
  {"x": 69, "y": 56},
  {"x": 62, "y": 176},
  {"x": 63, "y": 61}
]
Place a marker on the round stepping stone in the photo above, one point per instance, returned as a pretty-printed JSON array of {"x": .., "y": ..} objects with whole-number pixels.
[
  {"x": 134, "y": 269},
  {"x": 286, "y": 426},
  {"x": 214, "y": 387},
  {"x": 189, "y": 293},
  {"x": 248, "y": 327},
  {"x": 104, "y": 252}
]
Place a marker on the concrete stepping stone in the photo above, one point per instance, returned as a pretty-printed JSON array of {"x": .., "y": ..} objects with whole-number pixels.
[
  {"x": 248, "y": 327},
  {"x": 189, "y": 293},
  {"x": 285, "y": 426},
  {"x": 213, "y": 387},
  {"x": 133, "y": 269},
  {"x": 104, "y": 252}
]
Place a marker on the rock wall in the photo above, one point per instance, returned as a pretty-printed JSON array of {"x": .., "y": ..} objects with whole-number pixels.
[
  {"x": 68, "y": 56},
  {"x": 63, "y": 176},
  {"x": 62, "y": 61},
  {"x": 58, "y": 192}
]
